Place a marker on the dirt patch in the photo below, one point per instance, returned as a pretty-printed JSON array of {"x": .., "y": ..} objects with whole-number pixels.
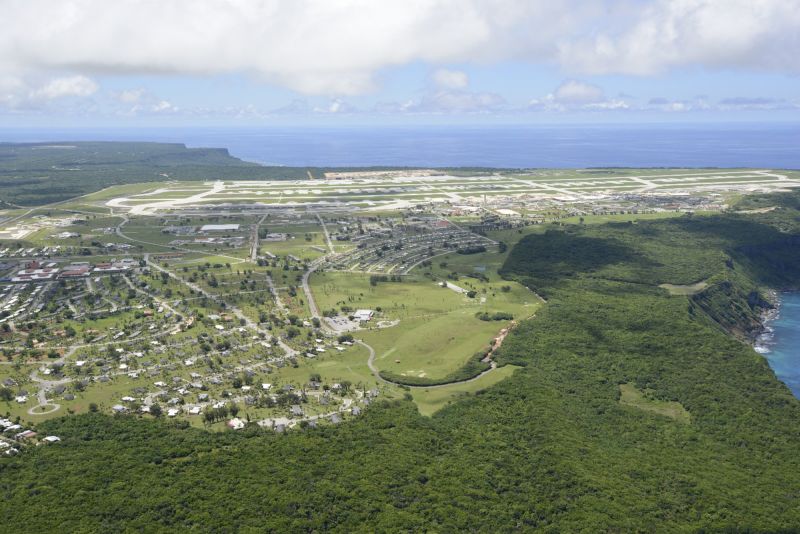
[{"x": 684, "y": 290}]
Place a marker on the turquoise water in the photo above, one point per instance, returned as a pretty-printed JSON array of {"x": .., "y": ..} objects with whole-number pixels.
[{"x": 781, "y": 343}]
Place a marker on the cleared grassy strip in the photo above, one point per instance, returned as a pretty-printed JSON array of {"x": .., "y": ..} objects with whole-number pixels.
[
  {"x": 630, "y": 395},
  {"x": 431, "y": 400}
]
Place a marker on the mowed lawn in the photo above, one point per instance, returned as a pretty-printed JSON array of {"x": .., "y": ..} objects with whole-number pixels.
[
  {"x": 431, "y": 347},
  {"x": 436, "y": 330},
  {"x": 431, "y": 400}
]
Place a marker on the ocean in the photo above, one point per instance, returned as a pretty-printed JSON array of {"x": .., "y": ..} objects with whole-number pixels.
[
  {"x": 780, "y": 344},
  {"x": 667, "y": 145}
]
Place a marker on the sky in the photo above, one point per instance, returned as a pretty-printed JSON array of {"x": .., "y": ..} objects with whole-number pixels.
[{"x": 308, "y": 62}]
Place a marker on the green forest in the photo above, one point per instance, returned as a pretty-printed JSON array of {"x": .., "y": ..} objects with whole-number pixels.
[
  {"x": 551, "y": 448},
  {"x": 36, "y": 174}
]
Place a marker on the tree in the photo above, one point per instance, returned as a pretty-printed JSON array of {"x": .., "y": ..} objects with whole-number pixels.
[{"x": 155, "y": 410}]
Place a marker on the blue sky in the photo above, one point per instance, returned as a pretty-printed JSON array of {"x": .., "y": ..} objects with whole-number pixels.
[{"x": 263, "y": 62}]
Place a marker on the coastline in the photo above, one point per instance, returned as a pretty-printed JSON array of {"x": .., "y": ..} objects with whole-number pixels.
[{"x": 764, "y": 340}]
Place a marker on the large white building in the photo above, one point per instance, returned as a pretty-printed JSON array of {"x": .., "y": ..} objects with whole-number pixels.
[
  {"x": 363, "y": 315},
  {"x": 219, "y": 227}
]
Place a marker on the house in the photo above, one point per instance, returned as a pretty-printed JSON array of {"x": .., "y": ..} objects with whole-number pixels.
[
  {"x": 51, "y": 439},
  {"x": 172, "y": 412},
  {"x": 296, "y": 410},
  {"x": 195, "y": 410},
  {"x": 118, "y": 408},
  {"x": 236, "y": 424},
  {"x": 336, "y": 419},
  {"x": 363, "y": 315},
  {"x": 266, "y": 387},
  {"x": 25, "y": 434},
  {"x": 356, "y": 410}
]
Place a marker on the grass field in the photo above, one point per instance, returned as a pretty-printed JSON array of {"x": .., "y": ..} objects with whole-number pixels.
[
  {"x": 631, "y": 396},
  {"x": 431, "y": 400},
  {"x": 437, "y": 329}
]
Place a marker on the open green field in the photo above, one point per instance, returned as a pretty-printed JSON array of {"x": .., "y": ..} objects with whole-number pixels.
[
  {"x": 631, "y": 396},
  {"x": 431, "y": 400},
  {"x": 436, "y": 330}
]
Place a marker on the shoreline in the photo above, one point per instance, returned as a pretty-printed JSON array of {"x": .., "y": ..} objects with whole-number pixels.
[{"x": 764, "y": 340}]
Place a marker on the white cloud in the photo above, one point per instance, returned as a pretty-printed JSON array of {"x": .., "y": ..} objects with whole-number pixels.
[
  {"x": 575, "y": 95},
  {"x": 739, "y": 103},
  {"x": 79, "y": 86},
  {"x": 576, "y": 92},
  {"x": 336, "y": 105},
  {"x": 131, "y": 96},
  {"x": 665, "y": 34},
  {"x": 163, "y": 106},
  {"x": 450, "y": 79},
  {"x": 312, "y": 46},
  {"x": 612, "y": 104},
  {"x": 460, "y": 102},
  {"x": 699, "y": 103},
  {"x": 338, "y": 48}
]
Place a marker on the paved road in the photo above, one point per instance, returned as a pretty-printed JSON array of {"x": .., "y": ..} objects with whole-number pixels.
[
  {"x": 312, "y": 304},
  {"x": 254, "y": 239},
  {"x": 278, "y": 302},
  {"x": 327, "y": 235}
]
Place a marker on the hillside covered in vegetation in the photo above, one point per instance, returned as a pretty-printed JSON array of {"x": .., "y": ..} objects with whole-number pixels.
[
  {"x": 35, "y": 174},
  {"x": 637, "y": 408}
]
